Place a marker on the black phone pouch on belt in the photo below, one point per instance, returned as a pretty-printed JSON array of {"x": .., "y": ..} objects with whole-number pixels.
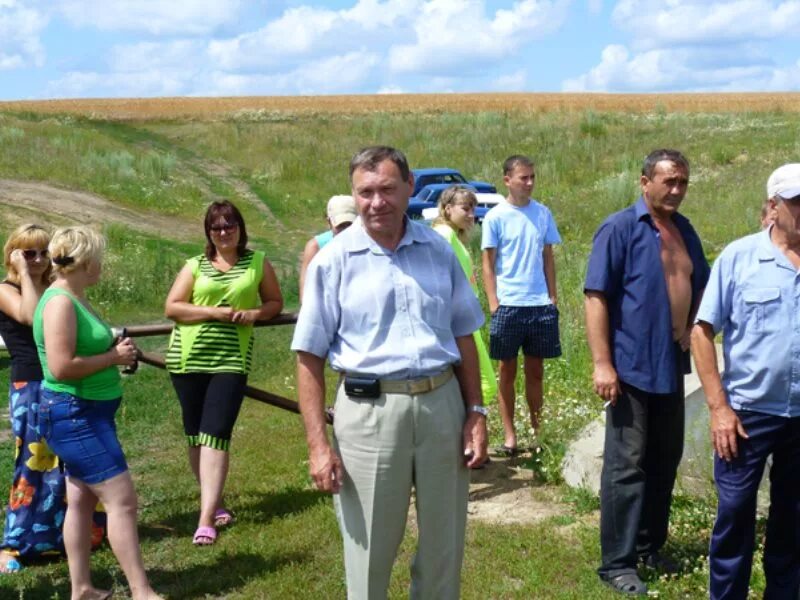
[{"x": 362, "y": 387}]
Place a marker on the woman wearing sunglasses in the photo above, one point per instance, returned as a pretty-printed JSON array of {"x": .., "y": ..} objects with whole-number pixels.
[
  {"x": 36, "y": 504},
  {"x": 79, "y": 399},
  {"x": 36, "y": 507},
  {"x": 214, "y": 301}
]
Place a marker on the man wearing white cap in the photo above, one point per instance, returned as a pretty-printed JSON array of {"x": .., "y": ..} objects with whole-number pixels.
[
  {"x": 341, "y": 213},
  {"x": 753, "y": 297}
]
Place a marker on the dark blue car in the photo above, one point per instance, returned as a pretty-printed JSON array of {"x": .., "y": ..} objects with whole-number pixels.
[
  {"x": 432, "y": 175},
  {"x": 428, "y": 197}
]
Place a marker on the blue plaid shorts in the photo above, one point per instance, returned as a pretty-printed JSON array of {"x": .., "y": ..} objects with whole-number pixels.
[{"x": 532, "y": 328}]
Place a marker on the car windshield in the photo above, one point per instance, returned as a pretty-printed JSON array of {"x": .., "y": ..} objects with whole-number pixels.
[
  {"x": 424, "y": 194},
  {"x": 441, "y": 178}
]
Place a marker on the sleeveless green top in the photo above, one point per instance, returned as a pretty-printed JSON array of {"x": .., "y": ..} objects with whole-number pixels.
[
  {"x": 214, "y": 346},
  {"x": 462, "y": 254},
  {"x": 93, "y": 336}
]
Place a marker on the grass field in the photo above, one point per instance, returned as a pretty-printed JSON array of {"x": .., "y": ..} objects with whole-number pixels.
[{"x": 280, "y": 159}]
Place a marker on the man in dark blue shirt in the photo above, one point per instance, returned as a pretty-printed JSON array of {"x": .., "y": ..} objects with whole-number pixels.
[{"x": 644, "y": 281}]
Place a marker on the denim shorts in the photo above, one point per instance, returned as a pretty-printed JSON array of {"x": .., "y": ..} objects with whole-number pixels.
[
  {"x": 82, "y": 433},
  {"x": 532, "y": 328}
]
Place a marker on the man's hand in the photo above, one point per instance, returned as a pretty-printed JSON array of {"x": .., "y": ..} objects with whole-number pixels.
[
  {"x": 725, "y": 426},
  {"x": 475, "y": 440},
  {"x": 606, "y": 383},
  {"x": 326, "y": 469},
  {"x": 685, "y": 340}
]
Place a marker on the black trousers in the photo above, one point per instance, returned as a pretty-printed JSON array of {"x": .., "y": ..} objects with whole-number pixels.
[{"x": 643, "y": 448}]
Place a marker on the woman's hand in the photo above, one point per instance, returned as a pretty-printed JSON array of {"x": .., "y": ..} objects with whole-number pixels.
[
  {"x": 244, "y": 317},
  {"x": 17, "y": 259},
  {"x": 223, "y": 313},
  {"x": 124, "y": 353}
]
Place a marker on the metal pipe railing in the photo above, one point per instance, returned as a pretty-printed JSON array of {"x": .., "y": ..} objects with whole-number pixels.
[{"x": 157, "y": 361}]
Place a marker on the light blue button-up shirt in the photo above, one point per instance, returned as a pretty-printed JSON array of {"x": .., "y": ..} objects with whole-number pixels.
[
  {"x": 753, "y": 296},
  {"x": 393, "y": 315}
]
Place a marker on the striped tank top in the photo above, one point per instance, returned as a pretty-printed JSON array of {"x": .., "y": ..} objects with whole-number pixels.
[{"x": 214, "y": 346}]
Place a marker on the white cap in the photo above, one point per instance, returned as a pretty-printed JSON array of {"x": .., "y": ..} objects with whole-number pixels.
[
  {"x": 784, "y": 182},
  {"x": 341, "y": 209}
]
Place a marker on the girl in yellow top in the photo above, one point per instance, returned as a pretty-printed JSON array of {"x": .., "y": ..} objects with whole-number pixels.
[{"x": 456, "y": 218}]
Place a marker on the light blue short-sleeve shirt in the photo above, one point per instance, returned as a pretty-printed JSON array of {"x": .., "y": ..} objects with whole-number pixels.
[
  {"x": 519, "y": 234},
  {"x": 393, "y": 315},
  {"x": 753, "y": 297}
]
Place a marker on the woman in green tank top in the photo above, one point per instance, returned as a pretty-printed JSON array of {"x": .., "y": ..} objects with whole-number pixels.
[
  {"x": 80, "y": 395},
  {"x": 214, "y": 302}
]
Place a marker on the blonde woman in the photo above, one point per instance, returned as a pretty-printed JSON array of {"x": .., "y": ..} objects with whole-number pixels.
[
  {"x": 79, "y": 398},
  {"x": 456, "y": 219},
  {"x": 36, "y": 505}
]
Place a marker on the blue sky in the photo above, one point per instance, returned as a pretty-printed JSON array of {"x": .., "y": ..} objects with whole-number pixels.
[{"x": 136, "y": 48}]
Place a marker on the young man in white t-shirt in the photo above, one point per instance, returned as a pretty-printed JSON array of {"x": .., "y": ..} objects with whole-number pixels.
[{"x": 519, "y": 276}]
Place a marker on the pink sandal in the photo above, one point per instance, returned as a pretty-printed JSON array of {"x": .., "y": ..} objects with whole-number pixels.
[
  {"x": 204, "y": 533},
  {"x": 223, "y": 517}
]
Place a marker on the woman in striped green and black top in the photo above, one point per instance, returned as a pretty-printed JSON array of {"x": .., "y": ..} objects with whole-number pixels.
[{"x": 214, "y": 302}]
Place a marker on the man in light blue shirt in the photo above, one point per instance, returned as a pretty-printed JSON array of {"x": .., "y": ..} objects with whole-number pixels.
[
  {"x": 753, "y": 297},
  {"x": 519, "y": 276},
  {"x": 387, "y": 302}
]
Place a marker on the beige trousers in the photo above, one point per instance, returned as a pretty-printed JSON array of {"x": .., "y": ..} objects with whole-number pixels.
[{"x": 387, "y": 446}]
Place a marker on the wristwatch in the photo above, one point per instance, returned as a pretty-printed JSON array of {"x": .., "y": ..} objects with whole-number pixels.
[{"x": 477, "y": 408}]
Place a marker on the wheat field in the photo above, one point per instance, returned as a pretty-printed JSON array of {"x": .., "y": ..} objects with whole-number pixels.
[{"x": 138, "y": 109}]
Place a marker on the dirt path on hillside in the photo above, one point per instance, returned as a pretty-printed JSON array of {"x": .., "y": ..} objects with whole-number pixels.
[
  {"x": 223, "y": 173},
  {"x": 31, "y": 201}
]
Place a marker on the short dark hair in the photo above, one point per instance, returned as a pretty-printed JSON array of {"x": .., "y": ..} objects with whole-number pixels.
[
  {"x": 370, "y": 157},
  {"x": 231, "y": 214},
  {"x": 656, "y": 156},
  {"x": 514, "y": 161}
]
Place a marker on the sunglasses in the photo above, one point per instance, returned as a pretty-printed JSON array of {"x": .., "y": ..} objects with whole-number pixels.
[
  {"x": 224, "y": 227},
  {"x": 31, "y": 254}
]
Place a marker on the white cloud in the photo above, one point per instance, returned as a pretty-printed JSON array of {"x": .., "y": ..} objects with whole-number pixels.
[
  {"x": 657, "y": 23},
  {"x": 353, "y": 70},
  {"x": 384, "y": 45},
  {"x": 319, "y": 50},
  {"x": 118, "y": 85},
  {"x": 594, "y": 6},
  {"x": 392, "y": 89},
  {"x": 456, "y": 33},
  {"x": 307, "y": 31},
  {"x": 682, "y": 69},
  {"x": 144, "y": 56},
  {"x": 313, "y": 77},
  {"x": 510, "y": 82},
  {"x": 20, "y": 31},
  {"x": 680, "y": 45},
  {"x": 156, "y": 17}
]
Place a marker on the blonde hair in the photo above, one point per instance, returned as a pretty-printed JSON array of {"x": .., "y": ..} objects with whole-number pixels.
[
  {"x": 25, "y": 237},
  {"x": 73, "y": 247},
  {"x": 449, "y": 197}
]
